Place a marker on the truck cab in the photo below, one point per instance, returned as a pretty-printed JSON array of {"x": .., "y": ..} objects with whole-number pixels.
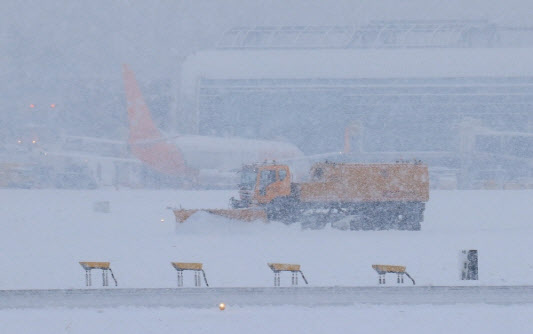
[{"x": 260, "y": 184}]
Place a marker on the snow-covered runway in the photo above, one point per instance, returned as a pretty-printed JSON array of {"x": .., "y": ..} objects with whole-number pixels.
[
  {"x": 303, "y": 296},
  {"x": 45, "y": 233}
]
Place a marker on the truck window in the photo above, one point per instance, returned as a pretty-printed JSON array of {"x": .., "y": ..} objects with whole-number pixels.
[
  {"x": 248, "y": 178},
  {"x": 282, "y": 174},
  {"x": 267, "y": 177},
  {"x": 318, "y": 173}
]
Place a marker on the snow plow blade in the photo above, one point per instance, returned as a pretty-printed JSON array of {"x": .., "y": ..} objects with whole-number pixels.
[{"x": 238, "y": 214}]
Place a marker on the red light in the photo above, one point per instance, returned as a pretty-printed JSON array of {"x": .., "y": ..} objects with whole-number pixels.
[
  {"x": 53, "y": 105},
  {"x": 32, "y": 105}
]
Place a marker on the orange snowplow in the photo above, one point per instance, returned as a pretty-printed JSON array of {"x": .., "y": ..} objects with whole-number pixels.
[{"x": 347, "y": 195}]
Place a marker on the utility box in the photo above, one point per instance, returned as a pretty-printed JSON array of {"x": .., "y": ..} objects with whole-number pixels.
[{"x": 469, "y": 264}]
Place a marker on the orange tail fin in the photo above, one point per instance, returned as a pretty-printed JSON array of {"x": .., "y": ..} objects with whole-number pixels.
[{"x": 145, "y": 140}]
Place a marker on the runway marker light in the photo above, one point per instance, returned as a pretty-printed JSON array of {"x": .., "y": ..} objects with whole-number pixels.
[
  {"x": 222, "y": 306},
  {"x": 32, "y": 105},
  {"x": 162, "y": 220},
  {"x": 19, "y": 141},
  {"x": 383, "y": 269},
  {"x": 53, "y": 105},
  {"x": 34, "y": 141},
  {"x": 196, "y": 267},
  {"x": 104, "y": 266},
  {"x": 294, "y": 269}
]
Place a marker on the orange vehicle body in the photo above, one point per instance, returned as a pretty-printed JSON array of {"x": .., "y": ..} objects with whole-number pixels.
[
  {"x": 366, "y": 183},
  {"x": 341, "y": 182},
  {"x": 377, "y": 196},
  {"x": 267, "y": 190}
]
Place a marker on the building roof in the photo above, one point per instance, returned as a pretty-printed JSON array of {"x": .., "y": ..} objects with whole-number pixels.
[{"x": 356, "y": 63}]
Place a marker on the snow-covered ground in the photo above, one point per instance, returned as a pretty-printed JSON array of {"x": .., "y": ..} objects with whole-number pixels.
[
  {"x": 283, "y": 319},
  {"x": 45, "y": 233}
]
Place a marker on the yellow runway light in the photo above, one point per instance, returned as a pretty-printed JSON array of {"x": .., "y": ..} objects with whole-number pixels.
[{"x": 222, "y": 306}]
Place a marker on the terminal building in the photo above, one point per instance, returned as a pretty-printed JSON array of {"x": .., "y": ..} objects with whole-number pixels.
[{"x": 457, "y": 95}]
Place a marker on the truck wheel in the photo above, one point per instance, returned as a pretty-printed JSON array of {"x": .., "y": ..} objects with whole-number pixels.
[
  {"x": 410, "y": 223},
  {"x": 367, "y": 223},
  {"x": 413, "y": 226},
  {"x": 356, "y": 224},
  {"x": 314, "y": 222},
  {"x": 413, "y": 216},
  {"x": 281, "y": 209}
]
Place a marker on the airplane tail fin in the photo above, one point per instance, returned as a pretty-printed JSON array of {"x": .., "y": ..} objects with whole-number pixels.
[
  {"x": 145, "y": 140},
  {"x": 142, "y": 127}
]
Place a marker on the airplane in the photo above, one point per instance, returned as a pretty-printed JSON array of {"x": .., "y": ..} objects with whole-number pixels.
[{"x": 200, "y": 160}]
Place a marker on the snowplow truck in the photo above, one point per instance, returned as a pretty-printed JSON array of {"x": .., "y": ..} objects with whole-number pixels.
[{"x": 345, "y": 195}]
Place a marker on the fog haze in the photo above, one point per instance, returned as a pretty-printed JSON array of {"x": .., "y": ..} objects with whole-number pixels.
[
  {"x": 46, "y": 42},
  {"x": 68, "y": 54}
]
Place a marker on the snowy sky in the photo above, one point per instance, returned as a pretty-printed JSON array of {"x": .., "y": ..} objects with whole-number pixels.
[
  {"x": 51, "y": 38},
  {"x": 53, "y": 50}
]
